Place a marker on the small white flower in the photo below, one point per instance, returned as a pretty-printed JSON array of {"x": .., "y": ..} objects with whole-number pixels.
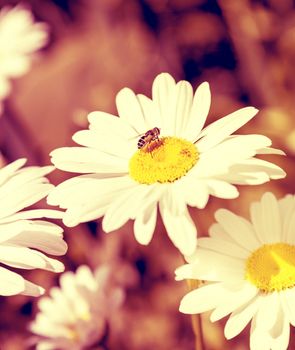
[
  {"x": 20, "y": 236},
  {"x": 182, "y": 167},
  {"x": 76, "y": 315},
  {"x": 19, "y": 38},
  {"x": 249, "y": 269}
]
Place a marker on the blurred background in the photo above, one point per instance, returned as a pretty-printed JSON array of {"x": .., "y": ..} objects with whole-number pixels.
[{"x": 245, "y": 49}]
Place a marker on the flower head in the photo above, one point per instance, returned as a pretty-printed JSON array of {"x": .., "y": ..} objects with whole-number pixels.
[
  {"x": 19, "y": 38},
  {"x": 22, "y": 239},
  {"x": 249, "y": 272},
  {"x": 75, "y": 315},
  {"x": 158, "y": 152}
]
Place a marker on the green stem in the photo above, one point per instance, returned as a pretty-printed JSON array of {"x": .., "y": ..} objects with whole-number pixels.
[{"x": 196, "y": 320}]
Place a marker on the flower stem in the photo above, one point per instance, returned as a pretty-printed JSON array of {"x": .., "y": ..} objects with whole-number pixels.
[{"x": 196, "y": 320}]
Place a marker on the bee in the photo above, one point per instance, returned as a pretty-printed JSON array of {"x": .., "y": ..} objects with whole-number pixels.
[{"x": 148, "y": 137}]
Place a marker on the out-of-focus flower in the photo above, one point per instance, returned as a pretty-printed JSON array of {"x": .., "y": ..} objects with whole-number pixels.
[
  {"x": 21, "y": 238},
  {"x": 76, "y": 315},
  {"x": 249, "y": 268},
  {"x": 182, "y": 167},
  {"x": 20, "y": 37}
]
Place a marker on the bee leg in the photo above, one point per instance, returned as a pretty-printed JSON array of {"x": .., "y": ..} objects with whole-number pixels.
[{"x": 150, "y": 151}]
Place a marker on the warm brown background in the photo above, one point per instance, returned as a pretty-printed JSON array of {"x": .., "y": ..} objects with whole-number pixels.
[{"x": 245, "y": 49}]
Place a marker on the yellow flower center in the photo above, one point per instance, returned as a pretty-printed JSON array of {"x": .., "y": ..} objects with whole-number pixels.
[
  {"x": 272, "y": 267},
  {"x": 73, "y": 332},
  {"x": 164, "y": 160}
]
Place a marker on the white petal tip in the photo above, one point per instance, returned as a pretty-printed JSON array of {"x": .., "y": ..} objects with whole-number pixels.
[
  {"x": 21, "y": 161},
  {"x": 41, "y": 290},
  {"x": 70, "y": 222},
  {"x": 205, "y": 85},
  {"x": 107, "y": 228},
  {"x": 178, "y": 277},
  {"x": 282, "y": 175},
  {"x": 33, "y": 290},
  {"x": 59, "y": 268},
  {"x": 228, "y": 336},
  {"x": 183, "y": 308}
]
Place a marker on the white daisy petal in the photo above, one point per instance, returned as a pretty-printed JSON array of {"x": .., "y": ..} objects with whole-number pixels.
[
  {"x": 195, "y": 193},
  {"x": 164, "y": 97},
  {"x": 108, "y": 124},
  {"x": 64, "y": 193},
  {"x": 45, "y": 345},
  {"x": 260, "y": 165},
  {"x": 33, "y": 214},
  {"x": 25, "y": 258},
  {"x": 150, "y": 111},
  {"x": 235, "y": 298},
  {"x": 144, "y": 225},
  {"x": 199, "y": 111},
  {"x": 276, "y": 339},
  {"x": 117, "y": 215},
  {"x": 80, "y": 189},
  {"x": 258, "y": 340},
  {"x": 7, "y": 171},
  {"x": 202, "y": 299},
  {"x": 9, "y": 230},
  {"x": 180, "y": 229},
  {"x": 287, "y": 298},
  {"x": 11, "y": 282},
  {"x": 239, "y": 174},
  {"x": 271, "y": 213},
  {"x": 184, "y": 99},
  {"x": 280, "y": 333},
  {"x": 238, "y": 228},
  {"x": 41, "y": 235},
  {"x": 268, "y": 311},
  {"x": 84, "y": 213},
  {"x": 5, "y": 88},
  {"x": 20, "y": 38},
  {"x": 287, "y": 209},
  {"x": 289, "y": 224},
  {"x": 130, "y": 110},
  {"x": 239, "y": 319},
  {"x": 216, "y": 231},
  {"x": 87, "y": 160},
  {"x": 266, "y": 219},
  {"x": 32, "y": 289},
  {"x": 221, "y": 246},
  {"x": 222, "y": 128},
  {"x": 234, "y": 150},
  {"x": 33, "y": 175},
  {"x": 31, "y": 194},
  {"x": 119, "y": 148},
  {"x": 211, "y": 266},
  {"x": 93, "y": 200},
  {"x": 222, "y": 189},
  {"x": 19, "y": 188},
  {"x": 270, "y": 150}
]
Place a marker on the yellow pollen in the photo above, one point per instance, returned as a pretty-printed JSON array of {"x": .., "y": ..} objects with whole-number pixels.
[
  {"x": 73, "y": 332},
  {"x": 272, "y": 267},
  {"x": 164, "y": 160}
]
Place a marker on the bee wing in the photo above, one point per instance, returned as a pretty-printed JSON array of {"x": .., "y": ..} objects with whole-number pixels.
[{"x": 136, "y": 136}]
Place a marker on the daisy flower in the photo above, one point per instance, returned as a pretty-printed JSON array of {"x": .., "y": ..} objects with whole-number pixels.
[
  {"x": 249, "y": 272},
  {"x": 20, "y": 36},
  {"x": 76, "y": 315},
  {"x": 174, "y": 163},
  {"x": 21, "y": 238}
]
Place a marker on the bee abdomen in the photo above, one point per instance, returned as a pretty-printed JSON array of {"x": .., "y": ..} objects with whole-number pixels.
[{"x": 141, "y": 142}]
